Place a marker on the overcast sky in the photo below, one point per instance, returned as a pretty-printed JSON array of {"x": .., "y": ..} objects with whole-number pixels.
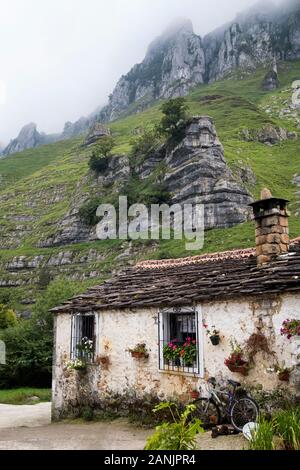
[{"x": 59, "y": 59}]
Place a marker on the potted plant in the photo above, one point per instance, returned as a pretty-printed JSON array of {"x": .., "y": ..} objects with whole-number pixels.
[
  {"x": 283, "y": 373},
  {"x": 139, "y": 351},
  {"x": 188, "y": 352},
  {"x": 194, "y": 394},
  {"x": 235, "y": 361},
  {"x": 171, "y": 352},
  {"x": 290, "y": 328},
  {"x": 76, "y": 364},
  {"x": 214, "y": 335},
  {"x": 85, "y": 348}
]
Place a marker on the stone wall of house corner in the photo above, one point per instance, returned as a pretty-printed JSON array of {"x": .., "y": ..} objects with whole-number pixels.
[
  {"x": 239, "y": 320},
  {"x": 124, "y": 376}
]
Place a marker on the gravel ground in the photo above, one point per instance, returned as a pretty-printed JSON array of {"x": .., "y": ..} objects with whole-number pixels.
[{"x": 28, "y": 427}]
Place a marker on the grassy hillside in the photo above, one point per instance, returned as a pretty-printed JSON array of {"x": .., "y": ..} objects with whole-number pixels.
[{"x": 38, "y": 186}]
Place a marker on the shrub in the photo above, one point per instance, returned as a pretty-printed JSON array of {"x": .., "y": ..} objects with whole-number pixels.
[
  {"x": 98, "y": 163},
  {"x": 29, "y": 344},
  {"x": 87, "y": 211},
  {"x": 100, "y": 157},
  {"x": 44, "y": 278},
  {"x": 174, "y": 119},
  {"x": 263, "y": 437},
  {"x": 8, "y": 317},
  {"x": 87, "y": 413},
  {"x": 177, "y": 435},
  {"x": 144, "y": 144}
]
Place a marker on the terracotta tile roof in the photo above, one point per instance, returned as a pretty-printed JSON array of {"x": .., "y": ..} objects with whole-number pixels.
[
  {"x": 218, "y": 276},
  {"x": 222, "y": 255}
]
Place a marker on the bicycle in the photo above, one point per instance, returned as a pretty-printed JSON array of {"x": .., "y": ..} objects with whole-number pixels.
[{"x": 236, "y": 405}]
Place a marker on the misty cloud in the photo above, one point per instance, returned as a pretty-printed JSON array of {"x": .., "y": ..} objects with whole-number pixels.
[{"x": 60, "y": 59}]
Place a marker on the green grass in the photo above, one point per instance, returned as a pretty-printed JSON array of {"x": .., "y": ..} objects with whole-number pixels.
[
  {"x": 42, "y": 184},
  {"x": 21, "y": 396}
]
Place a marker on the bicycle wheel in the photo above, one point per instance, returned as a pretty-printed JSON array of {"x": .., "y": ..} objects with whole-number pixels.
[
  {"x": 208, "y": 412},
  {"x": 243, "y": 411}
]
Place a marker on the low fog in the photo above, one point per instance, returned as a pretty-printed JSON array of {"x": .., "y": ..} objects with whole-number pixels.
[{"x": 59, "y": 59}]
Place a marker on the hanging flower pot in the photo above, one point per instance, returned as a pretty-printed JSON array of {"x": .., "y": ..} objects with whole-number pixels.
[
  {"x": 242, "y": 369},
  {"x": 139, "y": 351},
  {"x": 137, "y": 354},
  {"x": 214, "y": 335},
  {"x": 215, "y": 340},
  {"x": 194, "y": 394}
]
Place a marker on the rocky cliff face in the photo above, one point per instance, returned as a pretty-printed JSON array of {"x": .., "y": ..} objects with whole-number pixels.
[
  {"x": 173, "y": 64},
  {"x": 253, "y": 39},
  {"x": 28, "y": 138},
  {"x": 179, "y": 60},
  {"x": 196, "y": 172}
]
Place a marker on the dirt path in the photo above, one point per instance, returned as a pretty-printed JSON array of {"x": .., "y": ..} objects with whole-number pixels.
[
  {"x": 29, "y": 428},
  {"x": 14, "y": 416},
  {"x": 62, "y": 436}
]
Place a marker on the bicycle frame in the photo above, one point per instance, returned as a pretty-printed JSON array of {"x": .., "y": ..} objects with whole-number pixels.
[{"x": 213, "y": 395}]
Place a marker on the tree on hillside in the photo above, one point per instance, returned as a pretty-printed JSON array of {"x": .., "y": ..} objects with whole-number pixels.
[
  {"x": 29, "y": 344},
  {"x": 174, "y": 118},
  {"x": 100, "y": 155},
  {"x": 8, "y": 317}
]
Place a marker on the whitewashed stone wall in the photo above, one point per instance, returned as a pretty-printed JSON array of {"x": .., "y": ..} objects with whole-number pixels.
[{"x": 119, "y": 330}]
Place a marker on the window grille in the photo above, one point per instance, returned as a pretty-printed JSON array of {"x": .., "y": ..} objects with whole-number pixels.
[
  {"x": 179, "y": 332},
  {"x": 83, "y": 331}
]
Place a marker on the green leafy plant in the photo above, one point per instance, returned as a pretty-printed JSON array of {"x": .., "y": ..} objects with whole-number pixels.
[
  {"x": 174, "y": 118},
  {"x": 171, "y": 351},
  {"x": 85, "y": 346},
  {"x": 287, "y": 426},
  {"x": 77, "y": 364},
  {"x": 188, "y": 352},
  {"x": 8, "y": 317},
  {"x": 139, "y": 350},
  {"x": 143, "y": 145},
  {"x": 87, "y": 413},
  {"x": 235, "y": 358},
  {"x": 180, "y": 434},
  {"x": 29, "y": 344},
  {"x": 100, "y": 156},
  {"x": 87, "y": 211},
  {"x": 213, "y": 334},
  {"x": 263, "y": 437}
]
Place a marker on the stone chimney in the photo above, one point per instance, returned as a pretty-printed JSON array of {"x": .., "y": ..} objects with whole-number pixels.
[{"x": 272, "y": 228}]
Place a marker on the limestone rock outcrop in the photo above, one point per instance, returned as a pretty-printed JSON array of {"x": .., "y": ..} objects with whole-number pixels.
[
  {"x": 95, "y": 133},
  {"x": 29, "y": 137},
  {"x": 196, "y": 172},
  {"x": 180, "y": 59},
  {"x": 173, "y": 64},
  {"x": 269, "y": 135},
  {"x": 271, "y": 81}
]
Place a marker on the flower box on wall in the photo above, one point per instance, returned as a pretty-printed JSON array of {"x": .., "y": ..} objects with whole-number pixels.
[
  {"x": 194, "y": 394},
  {"x": 243, "y": 369},
  {"x": 138, "y": 355},
  {"x": 139, "y": 351}
]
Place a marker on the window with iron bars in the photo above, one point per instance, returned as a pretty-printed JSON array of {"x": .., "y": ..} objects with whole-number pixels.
[
  {"x": 179, "y": 341},
  {"x": 83, "y": 337}
]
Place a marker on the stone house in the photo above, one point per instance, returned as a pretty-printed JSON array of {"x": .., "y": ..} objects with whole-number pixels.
[{"x": 244, "y": 294}]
